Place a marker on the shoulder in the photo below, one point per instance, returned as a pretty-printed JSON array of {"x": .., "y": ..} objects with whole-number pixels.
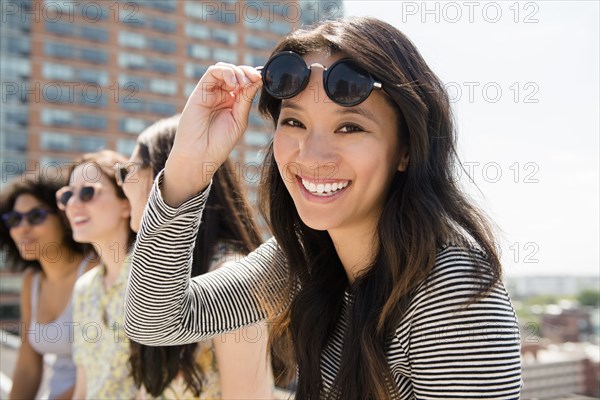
[
  {"x": 457, "y": 281},
  {"x": 85, "y": 281}
]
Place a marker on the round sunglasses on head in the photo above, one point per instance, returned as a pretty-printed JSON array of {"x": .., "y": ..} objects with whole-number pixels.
[
  {"x": 86, "y": 194},
  {"x": 35, "y": 216},
  {"x": 286, "y": 74}
]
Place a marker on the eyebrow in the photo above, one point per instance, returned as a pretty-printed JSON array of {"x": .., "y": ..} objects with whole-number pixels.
[{"x": 341, "y": 111}]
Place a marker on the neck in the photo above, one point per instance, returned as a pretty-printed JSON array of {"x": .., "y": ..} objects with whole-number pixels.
[
  {"x": 57, "y": 268},
  {"x": 356, "y": 248},
  {"x": 113, "y": 251}
]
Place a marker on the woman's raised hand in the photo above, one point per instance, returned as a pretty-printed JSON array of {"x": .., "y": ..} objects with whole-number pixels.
[{"x": 214, "y": 118}]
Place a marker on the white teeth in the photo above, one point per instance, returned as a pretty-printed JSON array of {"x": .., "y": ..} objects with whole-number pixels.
[
  {"x": 79, "y": 219},
  {"x": 326, "y": 189}
]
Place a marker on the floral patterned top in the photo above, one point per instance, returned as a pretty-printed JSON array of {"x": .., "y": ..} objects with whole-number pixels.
[{"x": 100, "y": 345}]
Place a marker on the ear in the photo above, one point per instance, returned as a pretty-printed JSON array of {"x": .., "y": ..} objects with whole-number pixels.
[{"x": 404, "y": 159}]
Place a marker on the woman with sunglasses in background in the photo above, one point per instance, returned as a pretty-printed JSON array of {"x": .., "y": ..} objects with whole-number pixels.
[
  {"x": 99, "y": 214},
  {"x": 36, "y": 237},
  {"x": 382, "y": 274},
  {"x": 232, "y": 366}
]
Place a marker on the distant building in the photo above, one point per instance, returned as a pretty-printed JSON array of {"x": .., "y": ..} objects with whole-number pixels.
[
  {"x": 560, "y": 371},
  {"x": 568, "y": 325},
  {"x": 79, "y": 76},
  {"x": 527, "y": 286}
]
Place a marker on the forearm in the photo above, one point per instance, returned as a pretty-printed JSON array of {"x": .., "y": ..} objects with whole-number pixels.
[{"x": 164, "y": 307}]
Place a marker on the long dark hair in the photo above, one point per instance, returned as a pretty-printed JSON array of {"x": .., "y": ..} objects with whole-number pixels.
[
  {"x": 43, "y": 189},
  {"x": 424, "y": 210},
  {"x": 226, "y": 218}
]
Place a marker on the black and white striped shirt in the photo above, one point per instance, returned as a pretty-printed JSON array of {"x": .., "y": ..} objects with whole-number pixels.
[{"x": 441, "y": 349}]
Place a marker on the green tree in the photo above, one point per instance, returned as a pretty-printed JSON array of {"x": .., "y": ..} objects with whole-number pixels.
[{"x": 589, "y": 297}]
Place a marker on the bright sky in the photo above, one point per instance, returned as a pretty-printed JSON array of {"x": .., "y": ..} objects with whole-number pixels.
[{"x": 524, "y": 77}]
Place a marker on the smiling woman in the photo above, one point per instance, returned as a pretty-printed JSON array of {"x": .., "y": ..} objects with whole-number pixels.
[
  {"x": 99, "y": 214},
  {"x": 36, "y": 237},
  {"x": 382, "y": 277}
]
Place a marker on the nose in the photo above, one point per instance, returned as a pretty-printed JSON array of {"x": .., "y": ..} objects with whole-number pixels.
[{"x": 318, "y": 154}]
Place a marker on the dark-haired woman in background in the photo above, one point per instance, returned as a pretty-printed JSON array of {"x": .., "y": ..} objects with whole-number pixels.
[
  {"x": 382, "y": 273},
  {"x": 231, "y": 366},
  {"x": 36, "y": 237}
]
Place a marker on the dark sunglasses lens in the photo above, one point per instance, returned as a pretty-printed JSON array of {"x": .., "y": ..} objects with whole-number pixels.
[
  {"x": 348, "y": 84},
  {"x": 123, "y": 172},
  {"x": 284, "y": 76},
  {"x": 12, "y": 219},
  {"x": 87, "y": 193},
  {"x": 64, "y": 198},
  {"x": 36, "y": 216}
]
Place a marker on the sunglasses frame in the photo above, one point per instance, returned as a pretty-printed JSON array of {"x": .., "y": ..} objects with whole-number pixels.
[
  {"x": 44, "y": 214},
  {"x": 326, "y": 74},
  {"x": 60, "y": 193}
]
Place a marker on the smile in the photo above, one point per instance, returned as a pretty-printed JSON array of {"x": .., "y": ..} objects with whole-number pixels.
[{"x": 324, "y": 189}]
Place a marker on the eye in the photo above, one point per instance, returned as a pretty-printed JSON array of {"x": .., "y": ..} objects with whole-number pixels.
[
  {"x": 350, "y": 128},
  {"x": 292, "y": 123}
]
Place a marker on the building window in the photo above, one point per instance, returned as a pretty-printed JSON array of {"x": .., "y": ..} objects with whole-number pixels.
[
  {"x": 17, "y": 45},
  {"x": 56, "y": 117},
  {"x": 125, "y": 146},
  {"x": 163, "y": 46},
  {"x": 94, "y": 34},
  {"x": 195, "y": 70},
  {"x": 13, "y": 140},
  {"x": 259, "y": 24},
  {"x": 92, "y": 121},
  {"x": 225, "y": 55},
  {"x": 163, "y": 86},
  {"x": 16, "y": 68},
  {"x": 90, "y": 143},
  {"x": 131, "y": 84},
  {"x": 258, "y": 43},
  {"x": 199, "y": 51},
  {"x": 161, "y": 108},
  {"x": 130, "y": 39},
  {"x": 132, "y": 125},
  {"x": 225, "y": 36},
  {"x": 94, "y": 56},
  {"x": 195, "y": 10},
  {"x": 126, "y": 104},
  {"x": 254, "y": 60},
  {"x": 59, "y": 50},
  {"x": 197, "y": 31},
  {"x": 163, "y": 25},
  {"x": 164, "y": 67},
  {"x": 93, "y": 76},
  {"x": 15, "y": 116},
  {"x": 60, "y": 28},
  {"x": 189, "y": 88},
  {"x": 132, "y": 61},
  {"x": 56, "y": 141},
  {"x": 279, "y": 27},
  {"x": 57, "y": 71}
]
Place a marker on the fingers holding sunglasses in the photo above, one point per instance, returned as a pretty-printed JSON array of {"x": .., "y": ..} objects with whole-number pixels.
[{"x": 211, "y": 123}]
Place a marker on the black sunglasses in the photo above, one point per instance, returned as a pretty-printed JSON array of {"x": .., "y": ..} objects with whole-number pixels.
[
  {"x": 63, "y": 195},
  {"x": 123, "y": 170},
  {"x": 286, "y": 74},
  {"x": 35, "y": 216}
]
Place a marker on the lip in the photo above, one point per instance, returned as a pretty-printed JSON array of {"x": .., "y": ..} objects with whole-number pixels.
[
  {"x": 79, "y": 220},
  {"x": 319, "y": 199}
]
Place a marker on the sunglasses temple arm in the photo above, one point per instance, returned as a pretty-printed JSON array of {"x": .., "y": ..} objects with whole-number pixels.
[{"x": 259, "y": 68}]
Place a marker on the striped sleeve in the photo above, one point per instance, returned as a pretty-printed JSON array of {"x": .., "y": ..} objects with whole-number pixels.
[
  {"x": 164, "y": 306},
  {"x": 459, "y": 351}
]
